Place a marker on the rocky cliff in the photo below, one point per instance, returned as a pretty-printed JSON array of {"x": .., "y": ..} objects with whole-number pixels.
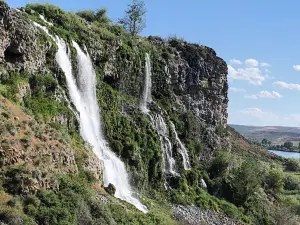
[{"x": 189, "y": 90}]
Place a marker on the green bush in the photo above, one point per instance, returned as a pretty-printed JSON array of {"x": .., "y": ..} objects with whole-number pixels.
[
  {"x": 292, "y": 164},
  {"x": 274, "y": 180},
  {"x": 220, "y": 164},
  {"x": 12, "y": 216},
  {"x": 245, "y": 181},
  {"x": 88, "y": 15},
  {"x": 291, "y": 182}
]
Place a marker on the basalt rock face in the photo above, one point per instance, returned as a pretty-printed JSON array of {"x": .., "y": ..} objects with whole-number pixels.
[
  {"x": 189, "y": 85},
  {"x": 197, "y": 79},
  {"x": 19, "y": 46},
  {"x": 189, "y": 81},
  {"x": 191, "y": 77},
  {"x": 37, "y": 148}
]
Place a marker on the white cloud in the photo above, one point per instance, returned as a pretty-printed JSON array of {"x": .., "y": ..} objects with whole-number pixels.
[
  {"x": 236, "y": 61},
  {"x": 267, "y": 71},
  {"x": 258, "y": 117},
  {"x": 234, "y": 89},
  {"x": 285, "y": 85},
  {"x": 251, "y": 96},
  {"x": 265, "y": 94},
  {"x": 258, "y": 113},
  {"x": 251, "y": 62},
  {"x": 264, "y": 64},
  {"x": 296, "y": 67},
  {"x": 268, "y": 94},
  {"x": 253, "y": 75}
]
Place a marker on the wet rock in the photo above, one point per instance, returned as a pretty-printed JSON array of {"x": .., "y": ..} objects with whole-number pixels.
[{"x": 110, "y": 189}]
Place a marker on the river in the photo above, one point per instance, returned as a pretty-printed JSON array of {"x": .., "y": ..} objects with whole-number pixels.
[{"x": 286, "y": 154}]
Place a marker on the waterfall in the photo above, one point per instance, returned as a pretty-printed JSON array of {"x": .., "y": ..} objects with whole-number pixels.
[
  {"x": 166, "y": 145},
  {"x": 146, "y": 98},
  {"x": 158, "y": 121},
  {"x": 43, "y": 18},
  {"x": 182, "y": 150},
  {"x": 84, "y": 98},
  {"x": 162, "y": 128}
]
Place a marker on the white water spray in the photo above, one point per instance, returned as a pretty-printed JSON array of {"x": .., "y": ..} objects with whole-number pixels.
[
  {"x": 182, "y": 150},
  {"x": 158, "y": 121},
  {"x": 161, "y": 127},
  {"x": 85, "y": 100},
  {"x": 146, "y": 98},
  {"x": 43, "y": 18},
  {"x": 166, "y": 145}
]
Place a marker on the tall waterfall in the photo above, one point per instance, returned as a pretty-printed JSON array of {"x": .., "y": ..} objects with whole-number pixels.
[
  {"x": 84, "y": 98},
  {"x": 162, "y": 128},
  {"x": 166, "y": 145},
  {"x": 182, "y": 150},
  {"x": 146, "y": 98}
]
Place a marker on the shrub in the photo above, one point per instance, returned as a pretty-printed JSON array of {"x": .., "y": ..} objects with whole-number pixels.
[
  {"x": 220, "y": 164},
  {"x": 291, "y": 182},
  {"x": 292, "y": 164},
  {"x": 88, "y": 15},
  {"x": 244, "y": 181},
  {"x": 274, "y": 180},
  {"x": 13, "y": 216},
  {"x": 91, "y": 16}
]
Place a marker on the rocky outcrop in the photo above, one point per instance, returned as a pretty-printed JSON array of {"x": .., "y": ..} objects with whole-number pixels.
[
  {"x": 40, "y": 152},
  {"x": 191, "y": 215},
  {"x": 20, "y": 49},
  {"x": 197, "y": 77}
]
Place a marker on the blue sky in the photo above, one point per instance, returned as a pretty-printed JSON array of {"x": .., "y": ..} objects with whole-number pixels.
[{"x": 259, "y": 40}]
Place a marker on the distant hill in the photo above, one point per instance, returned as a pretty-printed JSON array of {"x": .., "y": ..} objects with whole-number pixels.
[{"x": 275, "y": 134}]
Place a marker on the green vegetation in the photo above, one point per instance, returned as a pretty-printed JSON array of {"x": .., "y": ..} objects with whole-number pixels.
[
  {"x": 10, "y": 84},
  {"x": 74, "y": 203},
  {"x": 92, "y": 16},
  {"x": 287, "y": 146},
  {"x": 292, "y": 165}
]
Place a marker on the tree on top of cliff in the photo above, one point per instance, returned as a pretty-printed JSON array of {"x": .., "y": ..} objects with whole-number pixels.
[
  {"x": 134, "y": 19},
  {"x": 89, "y": 15}
]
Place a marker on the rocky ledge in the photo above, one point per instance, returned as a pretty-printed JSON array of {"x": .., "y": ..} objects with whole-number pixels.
[{"x": 192, "y": 215}]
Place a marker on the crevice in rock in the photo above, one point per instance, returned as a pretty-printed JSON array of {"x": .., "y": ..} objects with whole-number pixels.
[{"x": 12, "y": 55}]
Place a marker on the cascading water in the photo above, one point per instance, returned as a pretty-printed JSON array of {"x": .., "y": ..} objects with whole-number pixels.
[
  {"x": 146, "y": 98},
  {"x": 157, "y": 121},
  {"x": 182, "y": 150},
  {"x": 163, "y": 131},
  {"x": 65, "y": 98},
  {"x": 85, "y": 101},
  {"x": 161, "y": 127}
]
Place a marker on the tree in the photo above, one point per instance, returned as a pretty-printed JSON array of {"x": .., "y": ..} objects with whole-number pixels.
[
  {"x": 288, "y": 144},
  {"x": 92, "y": 16},
  {"x": 274, "y": 180},
  {"x": 264, "y": 141},
  {"x": 134, "y": 20}
]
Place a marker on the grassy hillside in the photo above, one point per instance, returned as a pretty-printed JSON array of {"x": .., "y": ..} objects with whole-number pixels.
[{"x": 276, "y": 134}]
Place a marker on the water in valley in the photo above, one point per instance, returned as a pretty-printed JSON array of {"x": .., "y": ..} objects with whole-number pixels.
[{"x": 286, "y": 154}]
